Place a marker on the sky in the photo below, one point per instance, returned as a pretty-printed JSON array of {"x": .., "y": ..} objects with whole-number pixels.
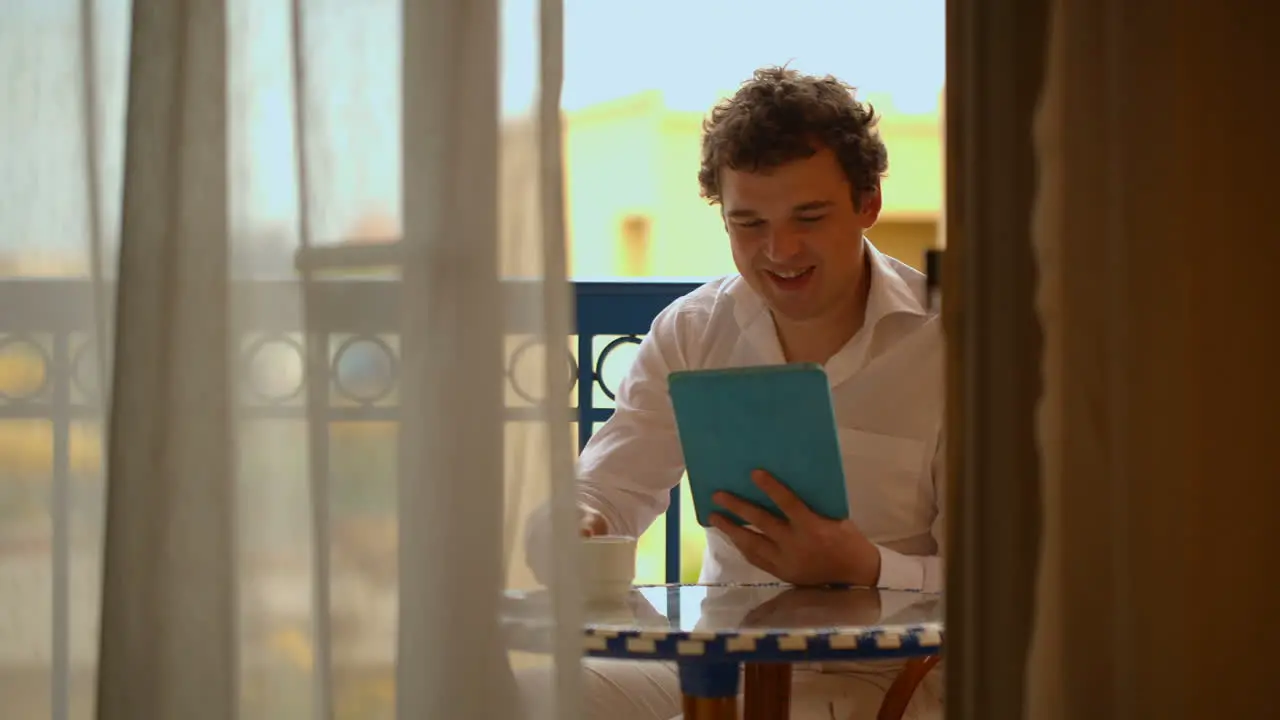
[{"x": 693, "y": 51}]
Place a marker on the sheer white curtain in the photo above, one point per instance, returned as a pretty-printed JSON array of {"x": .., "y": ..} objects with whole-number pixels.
[{"x": 279, "y": 283}]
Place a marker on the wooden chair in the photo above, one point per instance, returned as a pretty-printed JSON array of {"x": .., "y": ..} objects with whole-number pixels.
[{"x": 768, "y": 690}]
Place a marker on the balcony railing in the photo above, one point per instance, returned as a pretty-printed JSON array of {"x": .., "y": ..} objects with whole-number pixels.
[
  {"x": 47, "y": 322},
  {"x": 49, "y": 423}
]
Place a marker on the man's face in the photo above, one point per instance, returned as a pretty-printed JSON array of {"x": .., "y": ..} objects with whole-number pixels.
[{"x": 796, "y": 237}]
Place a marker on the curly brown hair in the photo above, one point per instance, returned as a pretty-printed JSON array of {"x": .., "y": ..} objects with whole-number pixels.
[{"x": 779, "y": 116}]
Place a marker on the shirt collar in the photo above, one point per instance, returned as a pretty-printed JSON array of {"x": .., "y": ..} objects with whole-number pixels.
[{"x": 890, "y": 293}]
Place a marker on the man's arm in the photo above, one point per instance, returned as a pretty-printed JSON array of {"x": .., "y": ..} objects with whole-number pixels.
[
  {"x": 629, "y": 466},
  {"x": 922, "y": 572}
]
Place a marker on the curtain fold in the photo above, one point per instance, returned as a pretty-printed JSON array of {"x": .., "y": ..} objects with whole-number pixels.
[
  {"x": 566, "y": 692},
  {"x": 1044, "y": 695},
  {"x": 168, "y": 610},
  {"x": 452, "y": 328},
  {"x": 1160, "y": 386}
]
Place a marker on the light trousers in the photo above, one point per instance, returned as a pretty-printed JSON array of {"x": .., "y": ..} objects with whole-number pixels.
[{"x": 631, "y": 690}]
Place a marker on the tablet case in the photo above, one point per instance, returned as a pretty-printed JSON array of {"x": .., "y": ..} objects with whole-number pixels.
[{"x": 777, "y": 418}]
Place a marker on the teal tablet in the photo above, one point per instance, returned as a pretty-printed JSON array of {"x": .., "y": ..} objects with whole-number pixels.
[{"x": 777, "y": 418}]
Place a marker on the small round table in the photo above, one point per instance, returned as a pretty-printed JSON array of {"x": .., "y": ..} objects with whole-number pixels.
[{"x": 712, "y": 631}]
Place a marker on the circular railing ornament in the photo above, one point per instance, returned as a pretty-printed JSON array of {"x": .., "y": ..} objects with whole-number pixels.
[
  {"x": 16, "y": 346},
  {"x": 604, "y": 355},
  {"x": 518, "y": 354},
  {"x": 264, "y": 377},
  {"x": 365, "y": 389}
]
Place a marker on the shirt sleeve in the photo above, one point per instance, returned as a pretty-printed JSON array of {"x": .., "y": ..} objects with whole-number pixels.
[
  {"x": 926, "y": 573},
  {"x": 629, "y": 466}
]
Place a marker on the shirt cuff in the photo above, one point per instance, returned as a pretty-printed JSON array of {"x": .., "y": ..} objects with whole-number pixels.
[
  {"x": 592, "y": 501},
  {"x": 900, "y": 572}
]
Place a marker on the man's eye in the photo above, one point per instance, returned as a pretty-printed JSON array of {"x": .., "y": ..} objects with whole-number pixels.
[
  {"x": 750, "y": 223},
  {"x": 812, "y": 218}
]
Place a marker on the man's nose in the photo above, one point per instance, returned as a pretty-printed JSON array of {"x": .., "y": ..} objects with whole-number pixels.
[{"x": 782, "y": 246}]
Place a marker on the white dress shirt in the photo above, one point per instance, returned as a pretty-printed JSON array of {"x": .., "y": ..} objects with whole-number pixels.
[{"x": 887, "y": 389}]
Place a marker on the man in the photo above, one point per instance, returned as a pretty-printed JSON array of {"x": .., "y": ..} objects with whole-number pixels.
[{"x": 795, "y": 164}]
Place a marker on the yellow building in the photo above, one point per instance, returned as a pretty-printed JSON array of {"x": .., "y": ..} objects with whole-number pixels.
[{"x": 632, "y": 190}]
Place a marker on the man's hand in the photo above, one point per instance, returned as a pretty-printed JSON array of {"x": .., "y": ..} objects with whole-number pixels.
[
  {"x": 539, "y": 552},
  {"x": 803, "y": 548},
  {"x": 591, "y": 523}
]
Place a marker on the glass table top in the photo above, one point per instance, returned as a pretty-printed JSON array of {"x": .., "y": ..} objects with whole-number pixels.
[{"x": 762, "y": 619}]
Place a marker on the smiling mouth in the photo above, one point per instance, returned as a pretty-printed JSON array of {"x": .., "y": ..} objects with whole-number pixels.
[{"x": 791, "y": 273}]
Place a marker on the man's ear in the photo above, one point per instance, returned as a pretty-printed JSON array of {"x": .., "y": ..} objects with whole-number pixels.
[{"x": 868, "y": 206}]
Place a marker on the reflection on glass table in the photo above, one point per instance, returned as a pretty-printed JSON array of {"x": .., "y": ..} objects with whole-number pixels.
[{"x": 711, "y": 630}]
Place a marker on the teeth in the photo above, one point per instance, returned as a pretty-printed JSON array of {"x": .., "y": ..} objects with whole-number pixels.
[{"x": 788, "y": 274}]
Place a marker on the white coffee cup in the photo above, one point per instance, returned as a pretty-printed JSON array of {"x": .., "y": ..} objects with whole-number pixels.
[{"x": 608, "y": 568}]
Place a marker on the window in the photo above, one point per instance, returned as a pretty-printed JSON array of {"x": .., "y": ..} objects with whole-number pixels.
[{"x": 633, "y": 246}]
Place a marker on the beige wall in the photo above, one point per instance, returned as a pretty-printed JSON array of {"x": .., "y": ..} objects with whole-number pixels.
[
  {"x": 690, "y": 235},
  {"x": 906, "y": 240},
  {"x": 611, "y": 171},
  {"x": 913, "y": 187}
]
